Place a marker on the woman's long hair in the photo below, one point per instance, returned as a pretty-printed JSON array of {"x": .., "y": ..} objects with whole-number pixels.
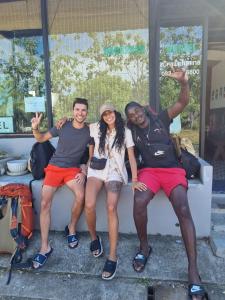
[{"x": 120, "y": 133}]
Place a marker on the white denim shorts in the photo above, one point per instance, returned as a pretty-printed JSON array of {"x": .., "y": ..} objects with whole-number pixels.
[{"x": 111, "y": 175}]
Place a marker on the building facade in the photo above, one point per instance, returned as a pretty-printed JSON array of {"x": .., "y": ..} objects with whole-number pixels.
[{"x": 52, "y": 51}]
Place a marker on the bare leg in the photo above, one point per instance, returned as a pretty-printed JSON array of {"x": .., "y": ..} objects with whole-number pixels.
[
  {"x": 180, "y": 205},
  {"x": 141, "y": 201},
  {"x": 77, "y": 208},
  {"x": 45, "y": 216},
  {"x": 113, "y": 191},
  {"x": 93, "y": 187}
]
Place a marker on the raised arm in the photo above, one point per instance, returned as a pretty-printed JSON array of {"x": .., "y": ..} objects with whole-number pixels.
[
  {"x": 40, "y": 137},
  {"x": 182, "y": 77}
]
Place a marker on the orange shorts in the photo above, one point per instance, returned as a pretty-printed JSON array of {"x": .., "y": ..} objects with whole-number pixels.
[
  {"x": 56, "y": 176},
  {"x": 164, "y": 178}
]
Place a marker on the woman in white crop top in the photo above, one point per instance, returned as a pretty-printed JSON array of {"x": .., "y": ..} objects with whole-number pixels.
[{"x": 111, "y": 139}]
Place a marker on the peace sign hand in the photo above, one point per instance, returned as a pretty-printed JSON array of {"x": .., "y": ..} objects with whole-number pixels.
[
  {"x": 179, "y": 74},
  {"x": 35, "y": 122}
]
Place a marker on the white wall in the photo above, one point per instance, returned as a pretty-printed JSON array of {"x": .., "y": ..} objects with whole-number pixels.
[{"x": 19, "y": 146}]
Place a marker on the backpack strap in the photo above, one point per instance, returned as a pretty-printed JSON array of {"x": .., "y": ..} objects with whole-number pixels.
[
  {"x": 21, "y": 241},
  {"x": 15, "y": 263},
  {"x": 14, "y": 226},
  {"x": 153, "y": 115},
  {"x": 12, "y": 260},
  {"x": 3, "y": 203},
  {"x": 30, "y": 187},
  {"x": 155, "y": 118}
]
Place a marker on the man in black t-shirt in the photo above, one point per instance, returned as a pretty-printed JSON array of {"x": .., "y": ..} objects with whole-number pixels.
[
  {"x": 63, "y": 168},
  {"x": 161, "y": 169}
]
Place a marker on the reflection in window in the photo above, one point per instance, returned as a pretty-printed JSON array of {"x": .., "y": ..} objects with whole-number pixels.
[
  {"x": 181, "y": 47},
  {"x": 215, "y": 114},
  {"x": 99, "y": 50},
  {"x": 21, "y": 65}
]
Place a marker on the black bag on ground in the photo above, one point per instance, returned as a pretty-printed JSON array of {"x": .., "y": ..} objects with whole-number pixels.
[
  {"x": 39, "y": 158},
  {"x": 190, "y": 163}
]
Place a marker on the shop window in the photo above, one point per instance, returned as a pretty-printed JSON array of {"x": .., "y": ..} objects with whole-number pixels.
[
  {"x": 181, "y": 47},
  {"x": 22, "y": 85},
  {"x": 99, "y": 51}
]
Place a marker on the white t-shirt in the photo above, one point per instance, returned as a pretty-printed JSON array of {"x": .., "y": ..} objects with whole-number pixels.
[{"x": 117, "y": 160}]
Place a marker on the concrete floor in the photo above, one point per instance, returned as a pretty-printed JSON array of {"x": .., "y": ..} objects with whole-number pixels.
[{"x": 75, "y": 274}]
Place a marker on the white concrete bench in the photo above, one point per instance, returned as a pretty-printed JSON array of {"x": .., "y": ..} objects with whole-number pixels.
[{"x": 162, "y": 219}]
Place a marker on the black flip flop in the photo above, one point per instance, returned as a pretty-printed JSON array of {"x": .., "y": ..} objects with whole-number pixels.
[
  {"x": 141, "y": 258},
  {"x": 197, "y": 290},
  {"x": 110, "y": 267},
  {"x": 96, "y": 245}
]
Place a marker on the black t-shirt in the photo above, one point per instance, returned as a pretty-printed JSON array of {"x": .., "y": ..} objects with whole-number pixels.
[{"x": 153, "y": 143}]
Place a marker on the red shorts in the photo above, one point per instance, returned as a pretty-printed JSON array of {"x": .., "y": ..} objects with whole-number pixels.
[
  {"x": 165, "y": 178},
  {"x": 57, "y": 176}
]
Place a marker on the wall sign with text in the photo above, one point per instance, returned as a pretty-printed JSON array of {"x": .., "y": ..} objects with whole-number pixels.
[
  {"x": 34, "y": 104},
  {"x": 180, "y": 47},
  {"x": 6, "y": 125}
]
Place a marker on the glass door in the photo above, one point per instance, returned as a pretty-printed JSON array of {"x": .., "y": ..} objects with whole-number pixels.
[
  {"x": 215, "y": 102},
  {"x": 181, "y": 47}
]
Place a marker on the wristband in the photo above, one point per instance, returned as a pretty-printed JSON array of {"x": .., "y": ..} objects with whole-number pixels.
[{"x": 134, "y": 179}]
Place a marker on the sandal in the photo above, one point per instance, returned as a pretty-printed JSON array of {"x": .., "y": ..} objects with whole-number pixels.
[
  {"x": 72, "y": 239},
  {"x": 96, "y": 245},
  {"x": 141, "y": 259},
  {"x": 40, "y": 259},
  {"x": 110, "y": 267},
  {"x": 197, "y": 290}
]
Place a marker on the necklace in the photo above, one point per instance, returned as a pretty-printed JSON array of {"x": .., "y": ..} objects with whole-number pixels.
[{"x": 148, "y": 131}]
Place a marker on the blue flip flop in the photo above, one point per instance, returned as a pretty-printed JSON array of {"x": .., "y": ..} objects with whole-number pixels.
[
  {"x": 72, "y": 239},
  {"x": 40, "y": 259}
]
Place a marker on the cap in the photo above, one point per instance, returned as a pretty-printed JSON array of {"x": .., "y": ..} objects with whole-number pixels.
[{"x": 105, "y": 107}]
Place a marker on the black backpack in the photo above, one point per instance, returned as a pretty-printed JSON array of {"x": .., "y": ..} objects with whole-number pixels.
[
  {"x": 190, "y": 163},
  {"x": 39, "y": 158}
]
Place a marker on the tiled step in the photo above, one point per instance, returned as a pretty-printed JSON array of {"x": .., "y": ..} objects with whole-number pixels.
[
  {"x": 48, "y": 286},
  {"x": 218, "y": 222},
  {"x": 171, "y": 292},
  {"x": 167, "y": 262},
  {"x": 218, "y": 203},
  {"x": 62, "y": 286},
  {"x": 217, "y": 241},
  {"x": 176, "y": 291}
]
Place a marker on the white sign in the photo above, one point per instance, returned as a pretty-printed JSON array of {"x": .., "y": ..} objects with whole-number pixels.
[
  {"x": 175, "y": 126},
  {"x": 6, "y": 125},
  {"x": 34, "y": 104}
]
